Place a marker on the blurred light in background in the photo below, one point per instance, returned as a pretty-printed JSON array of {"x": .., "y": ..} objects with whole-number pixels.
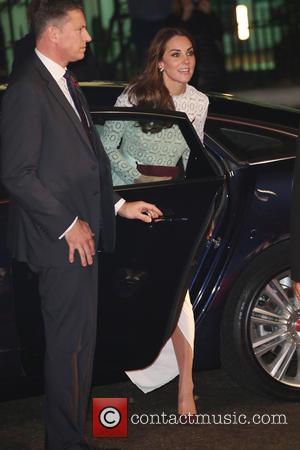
[{"x": 242, "y": 22}]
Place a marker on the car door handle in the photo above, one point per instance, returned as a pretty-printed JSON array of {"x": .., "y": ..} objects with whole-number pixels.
[{"x": 167, "y": 219}]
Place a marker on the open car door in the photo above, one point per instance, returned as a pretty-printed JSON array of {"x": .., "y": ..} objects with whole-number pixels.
[{"x": 143, "y": 284}]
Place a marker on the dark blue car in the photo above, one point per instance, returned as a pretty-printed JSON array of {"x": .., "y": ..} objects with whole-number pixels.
[{"x": 246, "y": 315}]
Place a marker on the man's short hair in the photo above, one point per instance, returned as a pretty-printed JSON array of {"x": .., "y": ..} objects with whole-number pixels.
[{"x": 44, "y": 11}]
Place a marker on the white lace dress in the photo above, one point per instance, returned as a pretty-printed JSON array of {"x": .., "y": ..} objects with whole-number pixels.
[
  {"x": 126, "y": 144},
  {"x": 195, "y": 105}
]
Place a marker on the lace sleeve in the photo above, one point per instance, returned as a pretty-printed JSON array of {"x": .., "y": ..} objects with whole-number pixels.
[
  {"x": 200, "y": 119},
  {"x": 111, "y": 138}
]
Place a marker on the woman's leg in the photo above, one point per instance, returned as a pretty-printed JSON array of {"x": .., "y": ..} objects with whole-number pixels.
[{"x": 184, "y": 356}]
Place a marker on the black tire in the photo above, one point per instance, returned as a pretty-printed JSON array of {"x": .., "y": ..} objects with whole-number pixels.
[{"x": 237, "y": 354}]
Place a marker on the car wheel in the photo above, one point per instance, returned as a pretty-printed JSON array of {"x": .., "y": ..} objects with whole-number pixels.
[{"x": 260, "y": 333}]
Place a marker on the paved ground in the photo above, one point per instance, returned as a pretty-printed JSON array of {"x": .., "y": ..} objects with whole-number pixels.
[{"x": 22, "y": 429}]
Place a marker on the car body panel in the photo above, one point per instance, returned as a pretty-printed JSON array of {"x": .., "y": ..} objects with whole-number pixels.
[{"x": 251, "y": 215}]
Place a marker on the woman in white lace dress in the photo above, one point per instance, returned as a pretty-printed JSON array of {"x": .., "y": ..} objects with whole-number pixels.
[{"x": 162, "y": 85}]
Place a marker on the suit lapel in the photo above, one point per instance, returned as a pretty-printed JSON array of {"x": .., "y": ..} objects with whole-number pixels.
[{"x": 63, "y": 102}]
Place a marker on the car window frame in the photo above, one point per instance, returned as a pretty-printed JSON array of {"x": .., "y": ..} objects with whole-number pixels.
[
  {"x": 214, "y": 121},
  {"x": 179, "y": 118}
]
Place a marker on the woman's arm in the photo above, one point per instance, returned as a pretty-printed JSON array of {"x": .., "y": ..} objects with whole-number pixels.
[
  {"x": 113, "y": 132},
  {"x": 200, "y": 119}
]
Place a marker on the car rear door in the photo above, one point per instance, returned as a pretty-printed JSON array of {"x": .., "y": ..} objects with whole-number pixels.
[{"x": 143, "y": 284}]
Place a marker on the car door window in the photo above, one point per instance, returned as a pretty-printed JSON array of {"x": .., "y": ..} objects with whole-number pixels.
[
  {"x": 154, "y": 147},
  {"x": 252, "y": 143}
]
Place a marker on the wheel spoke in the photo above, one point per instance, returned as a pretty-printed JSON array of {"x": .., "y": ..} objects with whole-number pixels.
[
  {"x": 278, "y": 298},
  {"x": 281, "y": 363},
  {"x": 270, "y": 337},
  {"x": 264, "y": 317},
  {"x": 286, "y": 281},
  {"x": 265, "y": 348}
]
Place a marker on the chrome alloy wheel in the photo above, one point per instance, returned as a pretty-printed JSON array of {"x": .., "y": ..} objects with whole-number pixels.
[{"x": 275, "y": 330}]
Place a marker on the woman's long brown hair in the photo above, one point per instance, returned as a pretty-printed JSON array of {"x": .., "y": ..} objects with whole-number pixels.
[{"x": 148, "y": 89}]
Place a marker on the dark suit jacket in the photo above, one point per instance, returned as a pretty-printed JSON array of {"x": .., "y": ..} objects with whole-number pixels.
[
  {"x": 51, "y": 170},
  {"x": 295, "y": 219}
]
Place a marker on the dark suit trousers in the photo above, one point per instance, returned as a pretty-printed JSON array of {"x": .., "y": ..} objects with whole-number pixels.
[{"x": 69, "y": 308}]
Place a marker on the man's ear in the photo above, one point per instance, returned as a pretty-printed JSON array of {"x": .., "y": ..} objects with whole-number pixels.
[{"x": 53, "y": 33}]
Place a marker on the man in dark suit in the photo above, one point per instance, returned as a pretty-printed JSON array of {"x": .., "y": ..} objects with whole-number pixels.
[{"x": 62, "y": 208}]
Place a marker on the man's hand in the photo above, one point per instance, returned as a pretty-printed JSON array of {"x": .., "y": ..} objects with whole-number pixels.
[
  {"x": 81, "y": 238},
  {"x": 296, "y": 287},
  {"x": 139, "y": 210}
]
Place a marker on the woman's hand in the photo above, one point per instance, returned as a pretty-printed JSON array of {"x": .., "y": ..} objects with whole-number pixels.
[{"x": 150, "y": 179}]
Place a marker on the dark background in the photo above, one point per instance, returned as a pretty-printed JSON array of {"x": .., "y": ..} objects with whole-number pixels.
[{"x": 270, "y": 56}]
